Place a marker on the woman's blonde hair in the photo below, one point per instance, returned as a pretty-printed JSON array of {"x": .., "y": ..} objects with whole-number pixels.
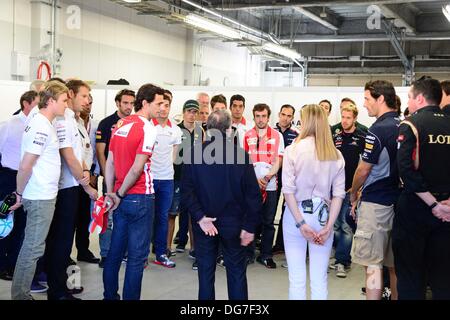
[{"x": 315, "y": 123}]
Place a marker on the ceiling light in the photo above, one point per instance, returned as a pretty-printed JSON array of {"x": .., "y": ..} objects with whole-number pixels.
[
  {"x": 132, "y": 1},
  {"x": 446, "y": 11},
  {"x": 282, "y": 51},
  {"x": 200, "y": 7},
  {"x": 212, "y": 26}
]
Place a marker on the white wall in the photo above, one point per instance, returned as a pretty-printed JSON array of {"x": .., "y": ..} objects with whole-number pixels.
[{"x": 114, "y": 42}]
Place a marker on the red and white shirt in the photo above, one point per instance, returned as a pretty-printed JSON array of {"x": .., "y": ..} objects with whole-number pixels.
[
  {"x": 263, "y": 152},
  {"x": 133, "y": 135}
]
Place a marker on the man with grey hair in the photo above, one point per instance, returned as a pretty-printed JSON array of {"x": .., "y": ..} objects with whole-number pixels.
[
  {"x": 225, "y": 205},
  {"x": 219, "y": 120}
]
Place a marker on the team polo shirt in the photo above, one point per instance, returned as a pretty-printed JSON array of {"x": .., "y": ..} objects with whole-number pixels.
[
  {"x": 351, "y": 145},
  {"x": 380, "y": 150},
  {"x": 68, "y": 137},
  {"x": 11, "y": 133},
  {"x": 289, "y": 135},
  {"x": 240, "y": 129},
  {"x": 88, "y": 153},
  {"x": 40, "y": 138},
  {"x": 264, "y": 152},
  {"x": 104, "y": 130},
  {"x": 133, "y": 135},
  {"x": 167, "y": 138}
]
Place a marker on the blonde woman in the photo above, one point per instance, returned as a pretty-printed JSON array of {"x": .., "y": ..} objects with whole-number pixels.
[{"x": 314, "y": 187}]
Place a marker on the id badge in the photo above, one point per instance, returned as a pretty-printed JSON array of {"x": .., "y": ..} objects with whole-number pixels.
[{"x": 307, "y": 206}]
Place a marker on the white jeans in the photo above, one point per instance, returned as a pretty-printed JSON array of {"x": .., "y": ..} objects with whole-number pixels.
[{"x": 295, "y": 246}]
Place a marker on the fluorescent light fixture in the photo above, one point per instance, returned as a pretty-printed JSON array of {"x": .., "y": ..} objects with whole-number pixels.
[
  {"x": 277, "y": 68},
  {"x": 200, "y": 7},
  {"x": 446, "y": 11},
  {"x": 282, "y": 51},
  {"x": 132, "y": 1},
  {"x": 212, "y": 26}
]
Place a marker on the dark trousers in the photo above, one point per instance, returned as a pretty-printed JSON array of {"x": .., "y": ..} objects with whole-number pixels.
[
  {"x": 267, "y": 227},
  {"x": 10, "y": 246},
  {"x": 206, "y": 250},
  {"x": 60, "y": 240},
  {"x": 279, "y": 242},
  {"x": 82, "y": 221},
  {"x": 421, "y": 244},
  {"x": 183, "y": 227}
]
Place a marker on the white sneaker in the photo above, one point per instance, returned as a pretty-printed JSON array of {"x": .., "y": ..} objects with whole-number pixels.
[{"x": 340, "y": 271}]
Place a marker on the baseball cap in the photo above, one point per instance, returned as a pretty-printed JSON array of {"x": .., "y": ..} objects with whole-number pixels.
[{"x": 191, "y": 104}]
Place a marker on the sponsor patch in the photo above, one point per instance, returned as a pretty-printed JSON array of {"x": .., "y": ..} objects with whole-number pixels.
[{"x": 369, "y": 146}]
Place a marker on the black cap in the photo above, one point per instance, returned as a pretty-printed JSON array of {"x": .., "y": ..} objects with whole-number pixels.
[{"x": 191, "y": 104}]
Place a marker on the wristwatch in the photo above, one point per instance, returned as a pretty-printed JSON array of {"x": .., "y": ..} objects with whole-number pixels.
[
  {"x": 434, "y": 205},
  {"x": 299, "y": 224}
]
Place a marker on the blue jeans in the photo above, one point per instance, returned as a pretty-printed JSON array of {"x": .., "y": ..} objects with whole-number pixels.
[
  {"x": 343, "y": 234},
  {"x": 163, "y": 201},
  {"x": 133, "y": 223}
]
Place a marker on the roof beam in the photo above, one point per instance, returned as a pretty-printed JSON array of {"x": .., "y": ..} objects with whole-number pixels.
[
  {"x": 304, "y": 3},
  {"x": 441, "y": 36},
  {"x": 314, "y": 14},
  {"x": 403, "y": 17}
]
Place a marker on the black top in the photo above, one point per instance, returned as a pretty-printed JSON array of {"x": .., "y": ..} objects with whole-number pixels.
[
  {"x": 228, "y": 191},
  {"x": 289, "y": 136},
  {"x": 104, "y": 130},
  {"x": 433, "y": 151},
  {"x": 351, "y": 145},
  {"x": 188, "y": 139},
  {"x": 337, "y": 128},
  {"x": 446, "y": 109},
  {"x": 380, "y": 150}
]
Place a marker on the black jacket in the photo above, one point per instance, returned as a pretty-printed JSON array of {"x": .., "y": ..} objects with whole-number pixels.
[{"x": 220, "y": 188}]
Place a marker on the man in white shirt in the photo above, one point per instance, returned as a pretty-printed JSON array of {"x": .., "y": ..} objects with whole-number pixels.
[
  {"x": 239, "y": 123},
  {"x": 37, "y": 184},
  {"x": 73, "y": 173},
  {"x": 83, "y": 217},
  {"x": 11, "y": 133},
  {"x": 166, "y": 146}
]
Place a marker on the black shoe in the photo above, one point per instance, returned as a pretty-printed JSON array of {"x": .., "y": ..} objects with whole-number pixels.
[
  {"x": 250, "y": 260},
  {"x": 6, "y": 275},
  {"x": 268, "y": 263},
  {"x": 101, "y": 263},
  {"x": 89, "y": 258},
  {"x": 75, "y": 291},
  {"x": 69, "y": 297},
  {"x": 195, "y": 265}
]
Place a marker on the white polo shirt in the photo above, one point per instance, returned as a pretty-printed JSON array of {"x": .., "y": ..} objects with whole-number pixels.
[
  {"x": 88, "y": 153},
  {"x": 40, "y": 138},
  {"x": 11, "y": 133},
  {"x": 68, "y": 137},
  {"x": 162, "y": 159},
  {"x": 241, "y": 129}
]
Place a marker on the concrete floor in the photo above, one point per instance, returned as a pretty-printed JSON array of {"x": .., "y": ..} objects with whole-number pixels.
[{"x": 181, "y": 283}]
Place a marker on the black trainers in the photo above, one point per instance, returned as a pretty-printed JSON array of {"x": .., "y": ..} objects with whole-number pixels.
[
  {"x": 268, "y": 263},
  {"x": 195, "y": 265}
]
